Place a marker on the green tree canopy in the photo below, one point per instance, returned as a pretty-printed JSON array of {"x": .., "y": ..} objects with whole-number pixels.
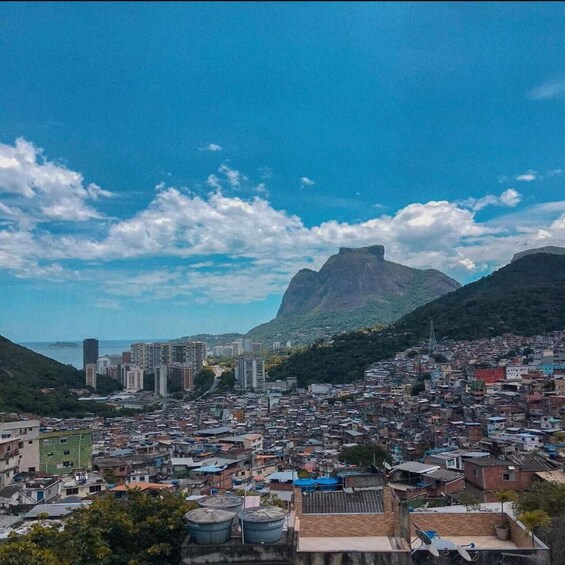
[
  {"x": 145, "y": 530},
  {"x": 365, "y": 455}
]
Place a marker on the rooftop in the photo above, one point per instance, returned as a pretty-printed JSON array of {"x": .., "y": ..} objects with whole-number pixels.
[{"x": 339, "y": 502}]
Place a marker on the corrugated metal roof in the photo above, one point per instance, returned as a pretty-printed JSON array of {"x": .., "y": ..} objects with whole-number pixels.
[{"x": 339, "y": 502}]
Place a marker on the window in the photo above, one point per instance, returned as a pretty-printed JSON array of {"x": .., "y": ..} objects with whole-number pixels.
[
  {"x": 64, "y": 440},
  {"x": 510, "y": 476},
  {"x": 66, "y": 452},
  {"x": 475, "y": 473},
  {"x": 96, "y": 488},
  {"x": 31, "y": 469},
  {"x": 50, "y": 454},
  {"x": 30, "y": 442},
  {"x": 72, "y": 491},
  {"x": 68, "y": 464},
  {"x": 46, "y": 442}
]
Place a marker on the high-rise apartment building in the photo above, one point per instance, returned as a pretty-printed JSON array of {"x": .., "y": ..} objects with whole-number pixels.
[
  {"x": 89, "y": 352},
  {"x": 150, "y": 355},
  {"x": 90, "y": 373},
  {"x": 161, "y": 374},
  {"x": 250, "y": 372},
  {"x": 134, "y": 379}
]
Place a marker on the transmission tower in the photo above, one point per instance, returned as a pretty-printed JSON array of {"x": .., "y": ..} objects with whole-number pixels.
[{"x": 432, "y": 342}]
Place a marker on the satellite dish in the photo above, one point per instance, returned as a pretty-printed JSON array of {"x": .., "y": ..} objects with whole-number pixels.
[
  {"x": 464, "y": 553},
  {"x": 424, "y": 537},
  {"x": 427, "y": 543},
  {"x": 433, "y": 550},
  {"x": 387, "y": 466}
]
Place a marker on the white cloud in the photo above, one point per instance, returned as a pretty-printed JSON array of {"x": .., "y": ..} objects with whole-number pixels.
[
  {"x": 232, "y": 249},
  {"x": 211, "y": 147},
  {"x": 548, "y": 90},
  {"x": 528, "y": 176},
  {"x": 509, "y": 198},
  {"x": 44, "y": 190},
  {"x": 107, "y": 304},
  {"x": 232, "y": 175},
  {"x": 305, "y": 181}
]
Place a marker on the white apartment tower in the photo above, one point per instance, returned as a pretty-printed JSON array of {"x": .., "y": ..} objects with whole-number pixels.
[
  {"x": 250, "y": 372},
  {"x": 134, "y": 379}
]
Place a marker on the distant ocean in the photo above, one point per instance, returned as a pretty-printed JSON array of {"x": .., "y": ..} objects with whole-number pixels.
[{"x": 73, "y": 356}]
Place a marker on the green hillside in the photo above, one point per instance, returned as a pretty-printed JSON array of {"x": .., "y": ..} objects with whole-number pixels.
[
  {"x": 23, "y": 373},
  {"x": 526, "y": 297}
]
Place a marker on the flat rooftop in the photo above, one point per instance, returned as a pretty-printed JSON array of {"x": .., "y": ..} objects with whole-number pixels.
[{"x": 383, "y": 543}]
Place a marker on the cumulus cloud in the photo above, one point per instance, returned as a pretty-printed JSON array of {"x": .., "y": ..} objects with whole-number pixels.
[
  {"x": 235, "y": 249},
  {"x": 43, "y": 190},
  {"x": 509, "y": 198},
  {"x": 305, "y": 181},
  {"x": 548, "y": 90}
]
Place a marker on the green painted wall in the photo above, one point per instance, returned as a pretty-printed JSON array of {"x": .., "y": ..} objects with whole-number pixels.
[{"x": 62, "y": 452}]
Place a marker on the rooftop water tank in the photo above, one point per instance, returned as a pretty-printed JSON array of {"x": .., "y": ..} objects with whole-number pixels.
[
  {"x": 306, "y": 485},
  {"x": 208, "y": 526},
  {"x": 262, "y": 524},
  {"x": 222, "y": 501},
  {"x": 327, "y": 483}
]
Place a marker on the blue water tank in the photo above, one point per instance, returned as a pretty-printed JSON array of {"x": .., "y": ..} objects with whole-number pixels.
[
  {"x": 328, "y": 483},
  {"x": 209, "y": 526},
  {"x": 306, "y": 485},
  {"x": 262, "y": 524}
]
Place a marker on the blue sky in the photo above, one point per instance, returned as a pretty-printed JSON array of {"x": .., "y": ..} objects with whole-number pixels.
[{"x": 166, "y": 168}]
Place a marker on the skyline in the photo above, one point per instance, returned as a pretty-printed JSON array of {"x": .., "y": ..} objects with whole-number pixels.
[{"x": 166, "y": 169}]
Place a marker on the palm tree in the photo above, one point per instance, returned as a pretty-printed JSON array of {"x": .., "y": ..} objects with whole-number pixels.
[{"x": 534, "y": 519}]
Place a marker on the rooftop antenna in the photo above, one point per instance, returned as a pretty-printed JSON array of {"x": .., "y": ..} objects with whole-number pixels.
[{"x": 432, "y": 342}]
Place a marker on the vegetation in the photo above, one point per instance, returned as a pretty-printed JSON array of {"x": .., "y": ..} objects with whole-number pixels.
[
  {"x": 144, "y": 530},
  {"x": 504, "y": 496},
  {"x": 548, "y": 497},
  {"x": 33, "y": 383},
  {"x": 203, "y": 380},
  {"x": 226, "y": 382},
  {"x": 365, "y": 456},
  {"x": 525, "y": 298},
  {"x": 534, "y": 519},
  {"x": 420, "y": 384}
]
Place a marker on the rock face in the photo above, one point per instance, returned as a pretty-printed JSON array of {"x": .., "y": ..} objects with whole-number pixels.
[
  {"x": 355, "y": 289},
  {"x": 551, "y": 249},
  {"x": 354, "y": 277}
]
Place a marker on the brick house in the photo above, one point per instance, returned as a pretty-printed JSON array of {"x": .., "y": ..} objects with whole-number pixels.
[{"x": 490, "y": 475}]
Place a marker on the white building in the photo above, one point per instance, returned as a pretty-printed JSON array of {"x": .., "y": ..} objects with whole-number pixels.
[
  {"x": 134, "y": 379},
  {"x": 103, "y": 365},
  {"x": 27, "y": 431},
  {"x": 250, "y": 372}
]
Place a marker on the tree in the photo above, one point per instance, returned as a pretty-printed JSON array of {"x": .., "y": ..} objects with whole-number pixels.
[
  {"x": 144, "y": 530},
  {"x": 365, "y": 455},
  {"x": 534, "y": 519},
  {"x": 504, "y": 496},
  {"x": 470, "y": 501},
  {"x": 547, "y": 496}
]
